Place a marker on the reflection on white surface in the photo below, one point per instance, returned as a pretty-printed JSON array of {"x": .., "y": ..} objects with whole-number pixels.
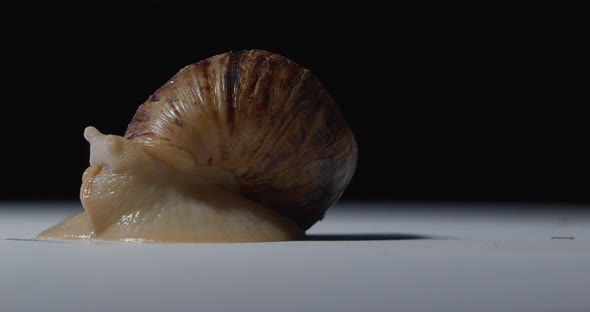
[{"x": 501, "y": 259}]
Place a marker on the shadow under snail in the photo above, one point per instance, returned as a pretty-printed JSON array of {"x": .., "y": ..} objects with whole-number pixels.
[{"x": 242, "y": 147}]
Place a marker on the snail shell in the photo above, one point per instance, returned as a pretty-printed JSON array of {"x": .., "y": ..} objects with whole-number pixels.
[
  {"x": 253, "y": 123},
  {"x": 264, "y": 119}
]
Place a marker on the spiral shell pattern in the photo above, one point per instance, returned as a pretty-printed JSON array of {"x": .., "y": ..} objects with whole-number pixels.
[{"x": 264, "y": 119}]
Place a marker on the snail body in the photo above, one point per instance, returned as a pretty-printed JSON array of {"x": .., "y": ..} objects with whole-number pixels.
[{"x": 243, "y": 146}]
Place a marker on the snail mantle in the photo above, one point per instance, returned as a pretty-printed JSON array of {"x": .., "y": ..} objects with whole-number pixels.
[{"x": 244, "y": 146}]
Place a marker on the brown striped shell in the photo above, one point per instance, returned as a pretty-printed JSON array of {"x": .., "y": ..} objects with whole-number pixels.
[{"x": 262, "y": 118}]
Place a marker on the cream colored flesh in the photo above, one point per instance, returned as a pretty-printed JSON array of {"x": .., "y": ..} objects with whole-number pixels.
[{"x": 129, "y": 195}]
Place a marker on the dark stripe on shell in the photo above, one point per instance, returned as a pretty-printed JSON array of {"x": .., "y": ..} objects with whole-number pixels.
[{"x": 231, "y": 84}]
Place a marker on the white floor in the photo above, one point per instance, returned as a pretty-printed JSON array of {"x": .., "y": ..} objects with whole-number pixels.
[{"x": 362, "y": 257}]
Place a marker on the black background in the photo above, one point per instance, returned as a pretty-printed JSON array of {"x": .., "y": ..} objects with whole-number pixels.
[{"x": 465, "y": 102}]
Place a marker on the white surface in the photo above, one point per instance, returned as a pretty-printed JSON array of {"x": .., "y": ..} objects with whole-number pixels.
[{"x": 502, "y": 260}]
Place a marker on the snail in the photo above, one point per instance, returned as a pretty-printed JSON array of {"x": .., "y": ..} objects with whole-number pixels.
[{"x": 244, "y": 146}]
